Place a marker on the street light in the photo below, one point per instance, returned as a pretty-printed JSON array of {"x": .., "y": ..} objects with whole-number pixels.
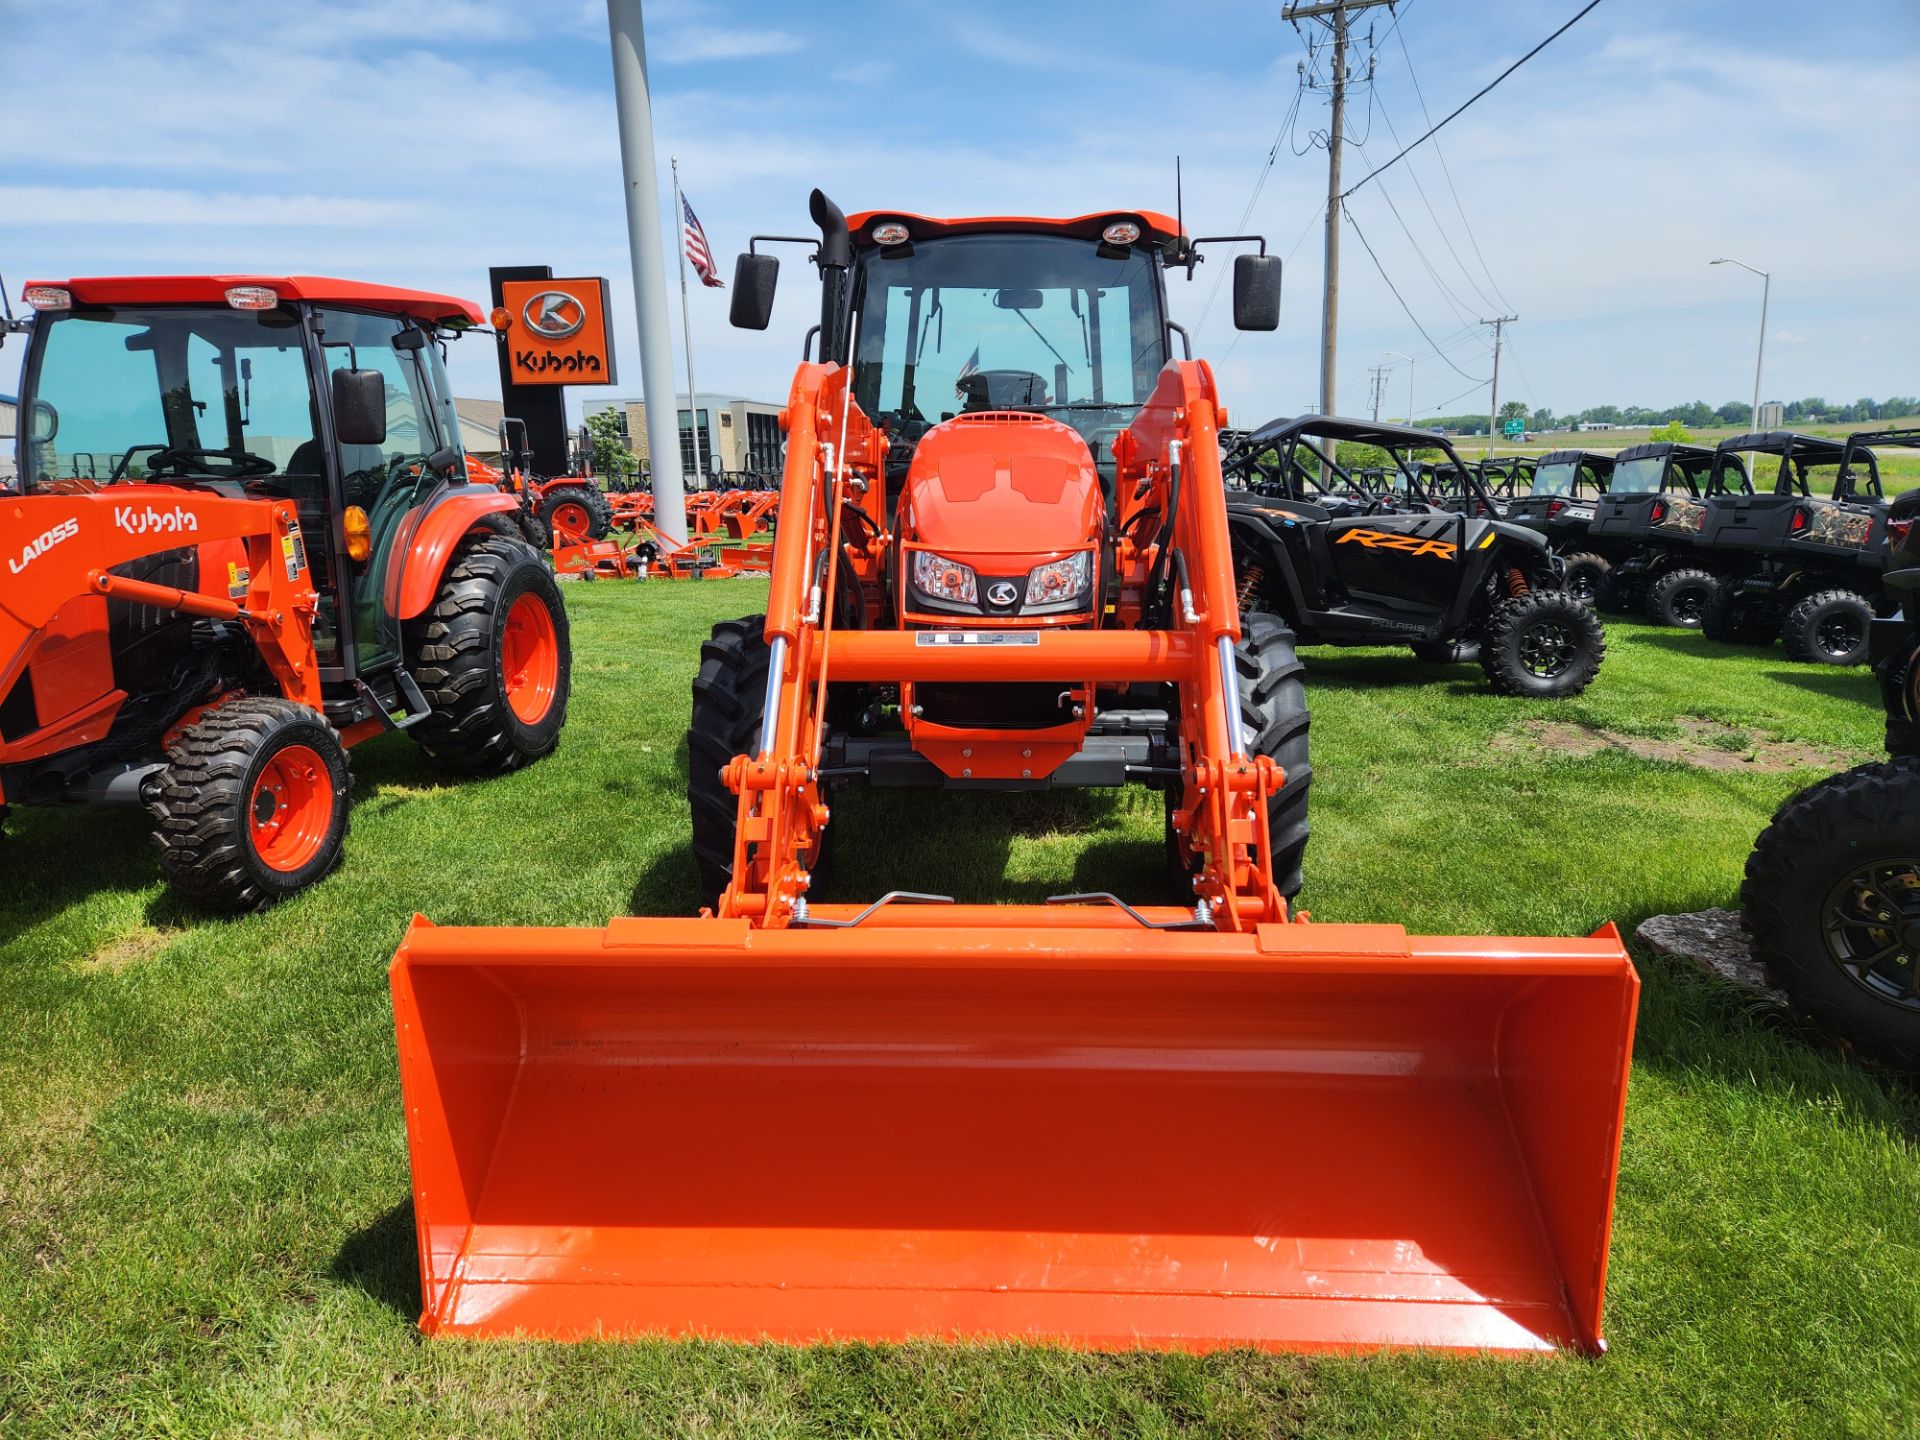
[
  {"x": 1766, "y": 288},
  {"x": 1409, "y": 359}
]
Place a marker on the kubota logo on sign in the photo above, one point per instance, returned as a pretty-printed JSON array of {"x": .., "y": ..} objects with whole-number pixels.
[
  {"x": 556, "y": 332},
  {"x": 1387, "y": 540},
  {"x": 554, "y": 314},
  {"x": 42, "y": 543},
  {"x": 148, "y": 521}
]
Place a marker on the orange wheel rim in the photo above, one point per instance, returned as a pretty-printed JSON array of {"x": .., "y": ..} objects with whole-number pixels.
[
  {"x": 291, "y": 808},
  {"x": 530, "y": 659},
  {"x": 571, "y": 521}
]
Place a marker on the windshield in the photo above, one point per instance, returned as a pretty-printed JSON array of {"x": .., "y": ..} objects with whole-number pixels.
[
  {"x": 1559, "y": 478},
  {"x": 175, "y": 391},
  {"x": 1638, "y": 477},
  {"x": 996, "y": 322}
]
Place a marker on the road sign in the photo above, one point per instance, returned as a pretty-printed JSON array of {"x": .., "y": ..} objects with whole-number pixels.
[{"x": 1514, "y": 429}]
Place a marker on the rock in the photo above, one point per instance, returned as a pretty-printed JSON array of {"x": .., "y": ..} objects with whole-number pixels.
[{"x": 1716, "y": 941}]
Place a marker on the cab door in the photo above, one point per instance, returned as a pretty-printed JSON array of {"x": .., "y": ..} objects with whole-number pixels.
[{"x": 388, "y": 480}]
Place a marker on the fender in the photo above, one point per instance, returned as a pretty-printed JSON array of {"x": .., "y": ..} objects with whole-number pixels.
[
  {"x": 1252, "y": 525},
  {"x": 426, "y": 539}
]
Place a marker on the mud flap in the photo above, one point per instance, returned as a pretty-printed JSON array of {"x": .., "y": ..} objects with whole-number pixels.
[{"x": 1015, "y": 1122}]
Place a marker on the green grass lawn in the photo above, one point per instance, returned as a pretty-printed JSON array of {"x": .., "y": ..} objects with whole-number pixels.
[{"x": 204, "y": 1226}]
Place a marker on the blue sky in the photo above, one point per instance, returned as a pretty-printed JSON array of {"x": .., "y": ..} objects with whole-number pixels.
[{"x": 418, "y": 141}]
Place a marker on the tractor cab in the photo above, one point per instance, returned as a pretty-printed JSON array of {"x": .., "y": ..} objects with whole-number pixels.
[{"x": 330, "y": 394}]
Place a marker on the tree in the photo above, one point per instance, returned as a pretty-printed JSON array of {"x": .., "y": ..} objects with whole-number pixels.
[
  {"x": 1734, "y": 412},
  {"x": 1513, "y": 410},
  {"x": 610, "y": 453},
  {"x": 1542, "y": 419},
  {"x": 1673, "y": 430}
]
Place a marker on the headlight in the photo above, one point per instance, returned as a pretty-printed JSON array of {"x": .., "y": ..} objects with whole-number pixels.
[
  {"x": 944, "y": 579},
  {"x": 1058, "y": 580}
]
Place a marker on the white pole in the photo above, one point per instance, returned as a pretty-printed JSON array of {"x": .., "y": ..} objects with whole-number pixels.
[
  {"x": 686, "y": 328},
  {"x": 1409, "y": 359},
  {"x": 1760, "y": 359},
  {"x": 641, "y": 174}
]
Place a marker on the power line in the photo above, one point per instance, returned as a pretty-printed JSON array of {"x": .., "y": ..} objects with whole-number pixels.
[
  {"x": 1590, "y": 5},
  {"x": 1414, "y": 175},
  {"x": 1447, "y": 172},
  {"x": 1396, "y": 295},
  {"x": 1260, "y": 184},
  {"x": 1446, "y": 293}
]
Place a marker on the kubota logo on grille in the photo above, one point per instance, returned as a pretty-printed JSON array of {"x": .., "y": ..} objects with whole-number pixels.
[
  {"x": 1001, "y": 593},
  {"x": 554, "y": 314},
  {"x": 1386, "y": 540},
  {"x": 150, "y": 521}
]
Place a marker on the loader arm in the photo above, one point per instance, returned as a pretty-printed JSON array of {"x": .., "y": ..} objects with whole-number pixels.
[{"x": 61, "y": 550}]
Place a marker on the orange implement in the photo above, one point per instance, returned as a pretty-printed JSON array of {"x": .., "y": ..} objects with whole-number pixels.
[{"x": 1015, "y": 1121}]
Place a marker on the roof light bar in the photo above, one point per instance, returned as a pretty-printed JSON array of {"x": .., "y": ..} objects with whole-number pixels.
[{"x": 252, "y": 297}]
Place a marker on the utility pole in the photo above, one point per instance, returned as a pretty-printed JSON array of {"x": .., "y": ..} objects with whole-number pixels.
[
  {"x": 1335, "y": 13},
  {"x": 1379, "y": 374},
  {"x": 1499, "y": 324},
  {"x": 1760, "y": 357},
  {"x": 640, "y": 171}
]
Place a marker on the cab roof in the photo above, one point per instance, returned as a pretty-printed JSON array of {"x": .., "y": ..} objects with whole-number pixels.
[
  {"x": 1154, "y": 225},
  {"x": 1649, "y": 449},
  {"x": 1599, "y": 459},
  {"x": 422, "y": 305},
  {"x": 1814, "y": 449}
]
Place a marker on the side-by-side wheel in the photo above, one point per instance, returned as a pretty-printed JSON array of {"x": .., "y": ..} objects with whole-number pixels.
[
  {"x": 1829, "y": 628},
  {"x": 1832, "y": 900},
  {"x": 1545, "y": 644},
  {"x": 252, "y": 805},
  {"x": 1680, "y": 598},
  {"x": 493, "y": 656},
  {"x": 1585, "y": 574}
]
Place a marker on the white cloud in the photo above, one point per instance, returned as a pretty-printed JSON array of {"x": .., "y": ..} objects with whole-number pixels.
[
  {"x": 41, "y": 205},
  {"x": 689, "y": 45}
]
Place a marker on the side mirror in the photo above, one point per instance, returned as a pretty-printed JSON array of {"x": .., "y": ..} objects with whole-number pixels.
[
  {"x": 1256, "y": 292},
  {"x": 714, "y": 466},
  {"x": 754, "y": 279},
  {"x": 359, "y": 407},
  {"x": 45, "y": 423}
]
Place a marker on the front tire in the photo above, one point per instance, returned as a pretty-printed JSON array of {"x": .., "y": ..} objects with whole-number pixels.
[
  {"x": 1733, "y": 619},
  {"x": 1544, "y": 645},
  {"x": 1586, "y": 574},
  {"x": 494, "y": 657},
  {"x": 574, "y": 514},
  {"x": 1274, "y": 718},
  {"x": 1680, "y": 598},
  {"x": 253, "y": 804},
  {"x": 1829, "y": 628},
  {"x": 1832, "y": 900}
]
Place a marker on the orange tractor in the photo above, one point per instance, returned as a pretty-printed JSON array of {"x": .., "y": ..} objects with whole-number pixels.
[
  {"x": 271, "y": 554},
  {"x": 1003, "y": 564}
]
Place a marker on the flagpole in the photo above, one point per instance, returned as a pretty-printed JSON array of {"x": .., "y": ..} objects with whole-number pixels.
[{"x": 686, "y": 327}]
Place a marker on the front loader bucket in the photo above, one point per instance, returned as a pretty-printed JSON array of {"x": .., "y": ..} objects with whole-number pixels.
[{"x": 1015, "y": 1122}]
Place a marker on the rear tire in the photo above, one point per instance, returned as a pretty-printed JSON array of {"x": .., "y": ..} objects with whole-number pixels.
[
  {"x": 1828, "y": 628},
  {"x": 1585, "y": 574},
  {"x": 576, "y": 513},
  {"x": 1274, "y": 718},
  {"x": 494, "y": 657},
  {"x": 1809, "y": 914},
  {"x": 1545, "y": 645},
  {"x": 1680, "y": 598},
  {"x": 253, "y": 804}
]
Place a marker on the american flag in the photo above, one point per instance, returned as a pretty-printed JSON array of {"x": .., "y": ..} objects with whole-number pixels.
[
  {"x": 972, "y": 367},
  {"x": 698, "y": 251}
]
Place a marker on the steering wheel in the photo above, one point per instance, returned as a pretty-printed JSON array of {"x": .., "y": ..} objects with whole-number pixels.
[{"x": 240, "y": 463}]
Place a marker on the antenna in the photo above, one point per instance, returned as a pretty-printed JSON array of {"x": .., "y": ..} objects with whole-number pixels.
[{"x": 1181, "y": 248}]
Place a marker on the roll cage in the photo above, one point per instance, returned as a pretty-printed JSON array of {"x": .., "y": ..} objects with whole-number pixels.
[
  {"x": 1797, "y": 454},
  {"x": 1299, "y": 468}
]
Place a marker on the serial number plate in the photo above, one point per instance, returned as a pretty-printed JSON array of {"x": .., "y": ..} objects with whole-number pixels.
[{"x": 976, "y": 637}]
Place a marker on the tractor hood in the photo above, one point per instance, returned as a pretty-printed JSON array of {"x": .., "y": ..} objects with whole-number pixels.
[{"x": 1001, "y": 483}]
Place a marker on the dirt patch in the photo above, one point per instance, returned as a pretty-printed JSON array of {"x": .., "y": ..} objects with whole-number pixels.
[
  {"x": 1703, "y": 743},
  {"x": 132, "y": 948}
]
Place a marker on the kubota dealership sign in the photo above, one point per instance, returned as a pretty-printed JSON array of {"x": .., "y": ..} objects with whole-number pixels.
[{"x": 556, "y": 331}]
